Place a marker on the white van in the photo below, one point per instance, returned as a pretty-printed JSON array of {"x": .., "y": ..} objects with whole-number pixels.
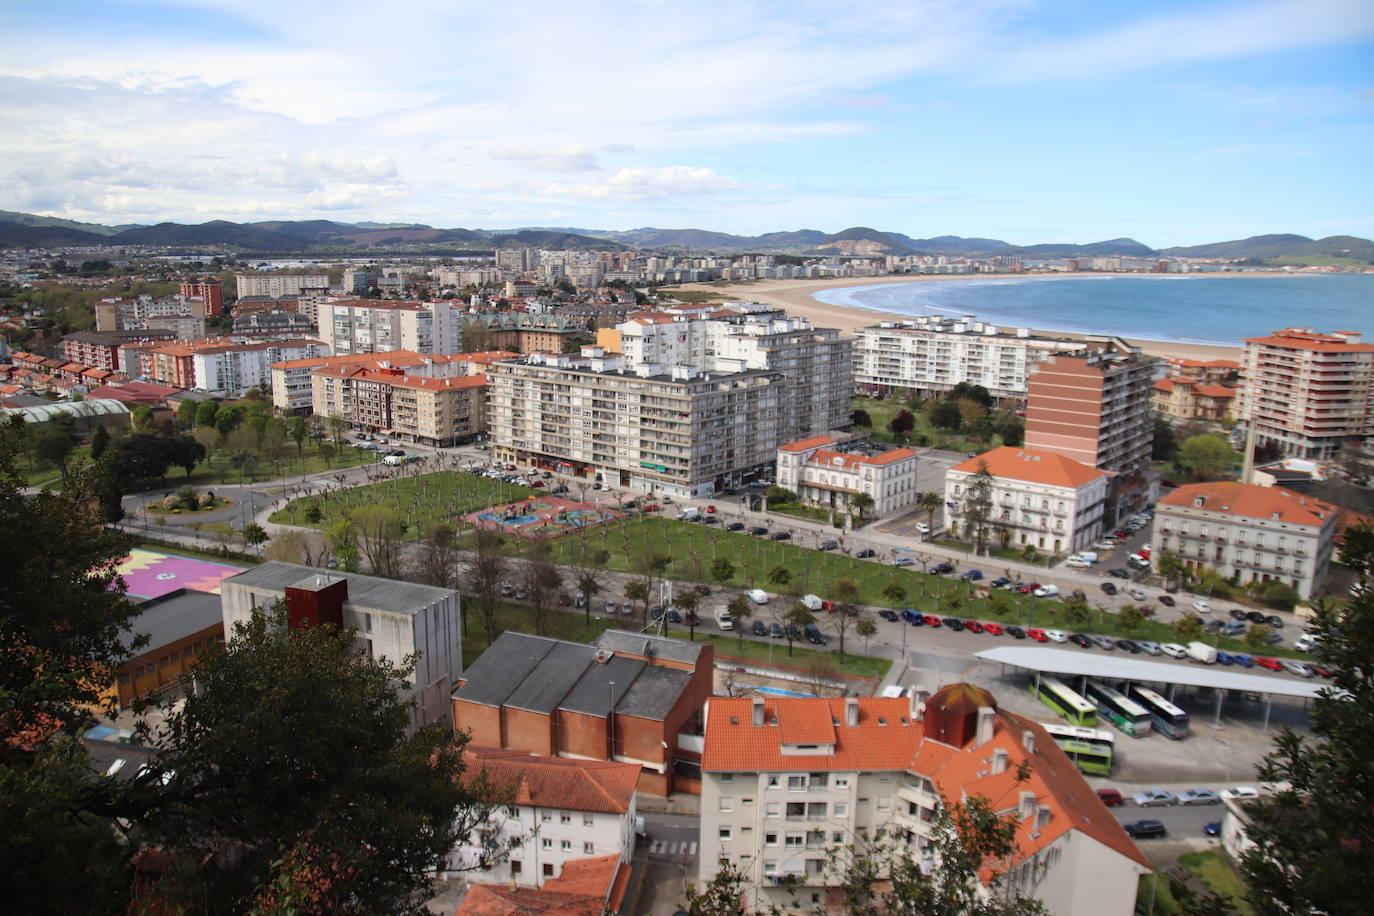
[
  {"x": 1201, "y": 652},
  {"x": 758, "y": 596},
  {"x": 724, "y": 620},
  {"x": 1174, "y": 649},
  {"x": 812, "y": 602},
  {"x": 1082, "y": 559},
  {"x": 690, "y": 514},
  {"x": 1307, "y": 642}
]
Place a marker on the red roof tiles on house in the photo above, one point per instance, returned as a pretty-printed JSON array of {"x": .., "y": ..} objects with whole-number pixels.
[
  {"x": 557, "y": 782},
  {"x": 1035, "y": 466},
  {"x": 803, "y": 445},
  {"x": 1249, "y": 500}
]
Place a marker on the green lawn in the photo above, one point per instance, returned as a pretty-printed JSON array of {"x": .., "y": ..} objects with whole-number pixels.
[
  {"x": 422, "y": 499},
  {"x": 884, "y": 411},
  {"x": 1214, "y": 870},
  {"x": 811, "y": 513},
  {"x": 757, "y": 650}
]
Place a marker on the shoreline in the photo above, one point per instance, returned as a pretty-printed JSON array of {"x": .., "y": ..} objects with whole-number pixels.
[{"x": 795, "y": 297}]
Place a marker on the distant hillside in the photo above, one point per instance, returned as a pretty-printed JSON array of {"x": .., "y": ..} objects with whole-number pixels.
[
  {"x": 953, "y": 244},
  {"x": 540, "y": 238},
  {"x": 863, "y": 241},
  {"x": 215, "y": 232},
  {"x": 1286, "y": 247},
  {"x": 29, "y": 219},
  {"x": 1113, "y": 247},
  {"x": 15, "y": 235}
]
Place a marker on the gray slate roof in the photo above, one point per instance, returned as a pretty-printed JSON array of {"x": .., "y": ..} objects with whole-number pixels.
[
  {"x": 654, "y": 646},
  {"x": 541, "y": 674},
  {"x": 174, "y": 616},
  {"x": 368, "y": 592}
]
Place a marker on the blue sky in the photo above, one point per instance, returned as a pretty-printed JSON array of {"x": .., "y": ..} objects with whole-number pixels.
[{"x": 1173, "y": 123}]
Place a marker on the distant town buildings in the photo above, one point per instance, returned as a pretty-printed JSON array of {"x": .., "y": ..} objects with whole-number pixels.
[
  {"x": 437, "y": 411},
  {"x": 352, "y": 326},
  {"x": 931, "y": 354},
  {"x": 1249, "y": 532},
  {"x": 209, "y": 290},
  {"x": 823, "y": 472},
  {"x": 1308, "y": 393},
  {"x": 1039, "y": 499},
  {"x": 183, "y": 316},
  {"x": 278, "y": 284},
  {"x": 223, "y": 367}
]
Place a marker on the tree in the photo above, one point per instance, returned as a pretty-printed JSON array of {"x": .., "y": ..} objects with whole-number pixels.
[
  {"x": 779, "y": 577},
  {"x": 686, "y": 601},
  {"x": 741, "y": 609},
  {"x": 722, "y": 571},
  {"x": 902, "y": 424},
  {"x": 945, "y": 415},
  {"x": 228, "y": 419},
  {"x": 723, "y": 895},
  {"x": 342, "y": 537},
  {"x": 100, "y": 440},
  {"x": 1130, "y": 619},
  {"x": 638, "y": 590},
  {"x": 185, "y": 452},
  {"x": 142, "y": 419},
  {"x": 487, "y": 566},
  {"x": 930, "y": 502},
  {"x": 861, "y": 503},
  {"x": 1170, "y": 566},
  {"x": 860, "y": 418},
  {"x": 207, "y": 413},
  {"x": 288, "y": 770},
  {"x": 54, "y": 444},
  {"x": 796, "y": 619},
  {"x": 1188, "y": 628},
  {"x": 1165, "y": 444},
  {"x": 978, "y": 507},
  {"x": 1357, "y": 552},
  {"x": 780, "y": 496},
  {"x": 294, "y": 546},
  {"x": 845, "y": 593},
  {"x": 254, "y": 534},
  {"x": 186, "y": 414},
  {"x": 542, "y": 579},
  {"x": 974, "y": 394},
  {"x": 1257, "y": 636},
  {"x": 380, "y": 532},
  {"x": 137, "y": 457},
  {"x": 1209, "y": 456},
  {"x": 1076, "y": 612},
  {"x": 297, "y": 430},
  {"x": 437, "y": 560},
  {"x": 1314, "y": 835},
  {"x": 867, "y": 628}
]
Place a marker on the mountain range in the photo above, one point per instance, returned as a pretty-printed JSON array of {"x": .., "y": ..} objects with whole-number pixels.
[{"x": 280, "y": 237}]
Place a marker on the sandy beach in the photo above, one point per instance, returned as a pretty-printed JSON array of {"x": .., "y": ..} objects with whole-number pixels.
[{"x": 795, "y": 297}]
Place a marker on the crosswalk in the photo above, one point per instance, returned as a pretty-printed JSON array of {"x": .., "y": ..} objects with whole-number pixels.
[{"x": 673, "y": 848}]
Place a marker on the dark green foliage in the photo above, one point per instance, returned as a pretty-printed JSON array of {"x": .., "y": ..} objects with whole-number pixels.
[
  {"x": 861, "y": 419},
  {"x": 100, "y": 440},
  {"x": 946, "y": 415},
  {"x": 904, "y": 423},
  {"x": 965, "y": 391},
  {"x": 207, "y": 413}
]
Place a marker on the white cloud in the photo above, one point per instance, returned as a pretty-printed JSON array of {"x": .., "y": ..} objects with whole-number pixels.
[
  {"x": 575, "y": 157},
  {"x": 646, "y": 184}
]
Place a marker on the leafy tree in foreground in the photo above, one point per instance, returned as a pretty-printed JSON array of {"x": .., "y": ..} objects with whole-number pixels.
[
  {"x": 1314, "y": 840},
  {"x": 289, "y": 773}
]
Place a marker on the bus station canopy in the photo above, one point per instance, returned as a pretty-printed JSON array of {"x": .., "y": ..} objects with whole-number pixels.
[{"x": 1115, "y": 667}]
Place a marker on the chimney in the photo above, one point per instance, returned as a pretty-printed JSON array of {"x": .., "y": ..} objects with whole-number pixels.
[
  {"x": 987, "y": 720},
  {"x": 758, "y": 712},
  {"x": 851, "y": 711},
  {"x": 999, "y": 761},
  {"x": 1028, "y": 740},
  {"x": 1042, "y": 816},
  {"x": 1026, "y": 807},
  {"x": 918, "y": 703}
]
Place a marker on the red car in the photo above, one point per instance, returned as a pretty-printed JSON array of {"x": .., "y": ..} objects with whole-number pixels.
[
  {"x": 931, "y": 620},
  {"x": 1028, "y": 588},
  {"x": 827, "y": 605},
  {"x": 1265, "y": 661},
  {"x": 710, "y": 508},
  {"x": 651, "y": 507},
  {"x": 973, "y": 626},
  {"x": 536, "y": 483},
  {"x": 993, "y": 629},
  {"x": 1037, "y": 634}
]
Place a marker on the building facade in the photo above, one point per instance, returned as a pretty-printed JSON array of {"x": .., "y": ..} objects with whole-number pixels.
[
  {"x": 278, "y": 285},
  {"x": 791, "y": 787},
  {"x": 394, "y": 620},
  {"x": 101, "y": 350},
  {"x": 180, "y": 626},
  {"x": 562, "y": 811},
  {"x": 1182, "y": 398},
  {"x": 683, "y": 432},
  {"x": 221, "y": 367},
  {"x": 291, "y": 383},
  {"x": 352, "y": 326},
  {"x": 1308, "y": 393},
  {"x": 208, "y": 289},
  {"x": 930, "y": 354},
  {"x": 1039, "y": 499},
  {"x": 181, "y": 314},
  {"x": 1249, "y": 532},
  {"x": 823, "y": 473},
  {"x": 438, "y": 412}
]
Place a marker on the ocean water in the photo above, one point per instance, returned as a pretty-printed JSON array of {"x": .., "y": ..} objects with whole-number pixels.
[{"x": 1193, "y": 309}]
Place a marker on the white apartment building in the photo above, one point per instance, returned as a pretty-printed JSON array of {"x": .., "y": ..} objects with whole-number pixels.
[
  {"x": 395, "y": 621},
  {"x": 816, "y": 363},
  {"x": 823, "y": 475},
  {"x": 930, "y": 354},
  {"x": 1248, "y": 531},
  {"x": 185, "y": 315},
  {"x": 278, "y": 285},
  {"x": 1040, "y": 499},
  {"x": 681, "y": 432},
  {"x": 292, "y": 389},
  {"x": 1309, "y": 393},
  {"x": 353, "y": 326},
  {"x": 563, "y": 810},
  {"x": 225, "y": 368},
  {"x": 792, "y": 786}
]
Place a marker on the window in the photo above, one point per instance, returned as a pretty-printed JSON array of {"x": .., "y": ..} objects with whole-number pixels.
[
  {"x": 815, "y": 866},
  {"x": 837, "y": 836},
  {"x": 727, "y": 777},
  {"x": 770, "y": 839},
  {"x": 842, "y": 782},
  {"x": 727, "y": 803},
  {"x": 548, "y": 843},
  {"x": 588, "y": 848},
  {"x": 884, "y": 802},
  {"x": 796, "y": 811},
  {"x": 566, "y": 845},
  {"x": 586, "y": 820},
  {"x": 796, "y": 783},
  {"x": 818, "y": 780},
  {"x": 724, "y": 833},
  {"x": 772, "y": 782},
  {"x": 815, "y": 811},
  {"x": 546, "y": 817},
  {"x": 841, "y": 809},
  {"x": 771, "y": 810},
  {"x": 515, "y": 866},
  {"x": 564, "y": 817},
  {"x": 748, "y": 801},
  {"x": 548, "y": 869},
  {"x": 794, "y": 841}
]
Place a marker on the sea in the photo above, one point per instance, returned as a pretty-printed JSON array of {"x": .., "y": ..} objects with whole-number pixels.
[{"x": 1219, "y": 310}]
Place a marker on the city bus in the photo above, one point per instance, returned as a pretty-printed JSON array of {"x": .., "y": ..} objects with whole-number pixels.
[
  {"x": 1120, "y": 710},
  {"x": 1167, "y": 717},
  {"x": 1074, "y": 709},
  {"x": 1090, "y": 749}
]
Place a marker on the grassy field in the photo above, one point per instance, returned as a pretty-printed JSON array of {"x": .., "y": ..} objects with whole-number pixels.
[
  {"x": 1214, "y": 870},
  {"x": 757, "y": 650},
  {"x": 884, "y": 411},
  {"x": 422, "y": 499}
]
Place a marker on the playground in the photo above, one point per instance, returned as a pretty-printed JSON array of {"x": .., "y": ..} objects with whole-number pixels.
[
  {"x": 150, "y": 574},
  {"x": 541, "y": 517}
]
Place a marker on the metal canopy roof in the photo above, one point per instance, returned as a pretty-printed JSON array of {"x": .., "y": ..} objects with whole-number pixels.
[{"x": 1115, "y": 667}]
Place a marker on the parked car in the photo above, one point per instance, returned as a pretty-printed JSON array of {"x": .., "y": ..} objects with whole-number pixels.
[
  {"x": 828, "y": 545},
  {"x": 971, "y": 575},
  {"x": 1150, "y": 648},
  {"x": 1240, "y": 793},
  {"x": 1190, "y": 797},
  {"x": 993, "y": 629},
  {"x": 901, "y": 561},
  {"x": 1264, "y": 661},
  {"x": 1104, "y": 642},
  {"x": 1000, "y": 582},
  {"x": 1212, "y": 828},
  {"x": 1109, "y": 588},
  {"x": 1015, "y": 632},
  {"x": 1240, "y": 658},
  {"x": 760, "y": 628},
  {"x": 775, "y": 631},
  {"x": 1138, "y": 594},
  {"x": 1145, "y": 830},
  {"x": 1156, "y": 798},
  {"x": 1174, "y": 650},
  {"x": 611, "y": 607},
  {"x": 702, "y": 589},
  {"x": 1119, "y": 573},
  {"x": 941, "y": 569},
  {"x": 1225, "y": 658},
  {"x": 1037, "y": 634},
  {"x": 973, "y": 626},
  {"x": 1083, "y": 642},
  {"x": 1047, "y": 591},
  {"x": 1026, "y": 588},
  {"x": 866, "y": 553},
  {"x": 931, "y": 620},
  {"x": 674, "y": 616},
  {"x": 1057, "y": 636},
  {"x": 1129, "y": 645},
  {"x": 758, "y": 531},
  {"x": 1299, "y": 668},
  {"x": 1111, "y": 797},
  {"x": 953, "y": 623},
  {"x": 781, "y": 536},
  {"x": 1167, "y": 600},
  {"x": 1202, "y": 607},
  {"x": 1274, "y": 621},
  {"x": 923, "y": 528},
  {"x": 889, "y": 614}
]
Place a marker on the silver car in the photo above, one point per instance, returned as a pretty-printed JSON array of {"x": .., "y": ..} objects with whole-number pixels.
[
  {"x": 1150, "y": 648},
  {"x": 1156, "y": 798},
  {"x": 1198, "y": 797}
]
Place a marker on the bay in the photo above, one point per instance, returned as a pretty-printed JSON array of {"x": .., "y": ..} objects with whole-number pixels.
[{"x": 1191, "y": 309}]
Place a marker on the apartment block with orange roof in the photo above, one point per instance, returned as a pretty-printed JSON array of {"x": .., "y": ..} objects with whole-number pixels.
[
  {"x": 1251, "y": 532},
  {"x": 1040, "y": 498},
  {"x": 1307, "y": 392},
  {"x": 822, "y": 472},
  {"x": 792, "y": 786},
  {"x": 416, "y": 408},
  {"x": 222, "y": 367},
  {"x": 562, "y": 810},
  {"x": 292, "y": 389},
  {"x": 1184, "y": 398}
]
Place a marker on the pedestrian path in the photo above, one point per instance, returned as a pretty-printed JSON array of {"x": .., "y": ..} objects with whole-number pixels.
[{"x": 673, "y": 849}]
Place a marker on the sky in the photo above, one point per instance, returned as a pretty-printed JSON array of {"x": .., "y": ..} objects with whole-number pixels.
[{"x": 1174, "y": 123}]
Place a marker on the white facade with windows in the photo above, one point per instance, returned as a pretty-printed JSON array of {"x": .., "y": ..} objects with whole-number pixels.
[
  {"x": 544, "y": 840},
  {"x": 823, "y": 475}
]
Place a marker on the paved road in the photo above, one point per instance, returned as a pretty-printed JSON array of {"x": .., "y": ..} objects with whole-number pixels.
[{"x": 674, "y": 848}]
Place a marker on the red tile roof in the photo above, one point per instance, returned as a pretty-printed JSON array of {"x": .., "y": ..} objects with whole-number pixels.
[
  {"x": 1215, "y": 391},
  {"x": 806, "y": 444},
  {"x": 557, "y": 782},
  {"x": 1296, "y": 339},
  {"x": 1249, "y": 500},
  {"x": 1036, "y": 466}
]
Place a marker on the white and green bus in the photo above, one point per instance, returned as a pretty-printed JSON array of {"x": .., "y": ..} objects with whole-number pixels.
[
  {"x": 1118, "y": 709},
  {"x": 1090, "y": 749},
  {"x": 1073, "y": 708},
  {"x": 1168, "y": 718}
]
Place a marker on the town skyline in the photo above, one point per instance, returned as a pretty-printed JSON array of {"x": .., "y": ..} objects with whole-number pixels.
[{"x": 1026, "y": 123}]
